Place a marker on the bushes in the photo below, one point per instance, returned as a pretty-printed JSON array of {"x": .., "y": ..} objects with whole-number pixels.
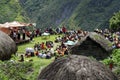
[
  {"x": 15, "y": 71},
  {"x": 116, "y": 60},
  {"x": 115, "y": 22},
  {"x": 115, "y": 57}
]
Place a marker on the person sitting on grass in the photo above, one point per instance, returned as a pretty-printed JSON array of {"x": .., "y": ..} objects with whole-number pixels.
[
  {"x": 48, "y": 55},
  {"x": 43, "y": 45},
  {"x": 59, "y": 53},
  {"x": 40, "y": 54},
  {"x": 22, "y": 58}
]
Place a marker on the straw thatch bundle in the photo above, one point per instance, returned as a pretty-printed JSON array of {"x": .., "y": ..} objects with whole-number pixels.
[
  {"x": 7, "y": 46},
  {"x": 76, "y": 67}
]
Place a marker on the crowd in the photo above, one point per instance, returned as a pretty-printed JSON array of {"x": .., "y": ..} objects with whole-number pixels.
[
  {"x": 47, "y": 49},
  {"x": 114, "y": 37},
  {"x": 16, "y": 34}
]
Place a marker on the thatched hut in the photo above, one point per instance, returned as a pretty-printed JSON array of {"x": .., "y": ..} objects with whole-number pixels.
[
  {"x": 93, "y": 45},
  {"x": 7, "y": 46},
  {"x": 76, "y": 67},
  {"x": 9, "y": 26}
]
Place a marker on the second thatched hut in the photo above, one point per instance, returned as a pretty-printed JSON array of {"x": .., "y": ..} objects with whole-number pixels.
[{"x": 94, "y": 45}]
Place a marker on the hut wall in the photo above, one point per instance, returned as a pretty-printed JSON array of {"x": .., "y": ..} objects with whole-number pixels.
[{"x": 90, "y": 48}]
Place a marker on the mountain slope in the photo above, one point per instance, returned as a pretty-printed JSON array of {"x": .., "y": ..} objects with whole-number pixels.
[
  {"x": 49, "y": 12},
  {"x": 11, "y": 10},
  {"x": 92, "y": 14},
  {"x": 86, "y": 14}
]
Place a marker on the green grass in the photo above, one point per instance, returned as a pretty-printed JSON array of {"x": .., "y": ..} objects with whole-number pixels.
[
  {"x": 21, "y": 48},
  {"x": 38, "y": 63}
]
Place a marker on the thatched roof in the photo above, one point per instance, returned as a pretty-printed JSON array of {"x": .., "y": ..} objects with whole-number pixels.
[
  {"x": 94, "y": 45},
  {"x": 14, "y": 24},
  {"x": 7, "y": 46},
  {"x": 104, "y": 43},
  {"x": 76, "y": 67}
]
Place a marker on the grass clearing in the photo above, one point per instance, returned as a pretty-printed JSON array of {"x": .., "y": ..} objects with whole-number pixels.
[
  {"x": 38, "y": 63},
  {"x": 21, "y": 48}
]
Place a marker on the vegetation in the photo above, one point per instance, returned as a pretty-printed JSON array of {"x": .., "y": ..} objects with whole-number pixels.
[
  {"x": 28, "y": 70},
  {"x": 115, "y": 21},
  {"x": 15, "y": 70},
  {"x": 11, "y": 10},
  {"x": 85, "y": 14},
  {"x": 116, "y": 60}
]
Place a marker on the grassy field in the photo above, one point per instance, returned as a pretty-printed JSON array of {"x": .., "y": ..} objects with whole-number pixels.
[
  {"x": 29, "y": 70},
  {"x": 21, "y": 48},
  {"x": 38, "y": 63}
]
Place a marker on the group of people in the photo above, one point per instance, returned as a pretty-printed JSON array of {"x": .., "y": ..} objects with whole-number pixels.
[
  {"x": 46, "y": 54},
  {"x": 42, "y": 50},
  {"x": 38, "y": 32},
  {"x": 114, "y": 37},
  {"x": 46, "y": 49},
  {"x": 43, "y": 45},
  {"x": 17, "y": 34},
  {"x": 70, "y": 36}
]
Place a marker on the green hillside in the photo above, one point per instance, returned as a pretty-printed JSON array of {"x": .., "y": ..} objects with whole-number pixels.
[
  {"x": 49, "y": 12},
  {"x": 11, "y": 10},
  {"x": 92, "y": 14},
  {"x": 87, "y": 14}
]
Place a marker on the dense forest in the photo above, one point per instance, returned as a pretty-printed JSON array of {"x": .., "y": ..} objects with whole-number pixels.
[
  {"x": 11, "y": 10},
  {"x": 85, "y": 14}
]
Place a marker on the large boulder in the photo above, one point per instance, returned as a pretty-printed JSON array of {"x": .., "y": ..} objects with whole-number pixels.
[
  {"x": 76, "y": 67},
  {"x": 7, "y": 46}
]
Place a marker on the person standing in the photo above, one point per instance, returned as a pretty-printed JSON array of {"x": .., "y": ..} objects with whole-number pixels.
[
  {"x": 14, "y": 36},
  {"x": 18, "y": 35},
  {"x": 22, "y": 58},
  {"x": 23, "y": 31},
  {"x": 63, "y": 29},
  {"x": 111, "y": 63}
]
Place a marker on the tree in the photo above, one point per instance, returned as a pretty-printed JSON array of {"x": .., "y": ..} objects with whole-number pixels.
[{"x": 115, "y": 21}]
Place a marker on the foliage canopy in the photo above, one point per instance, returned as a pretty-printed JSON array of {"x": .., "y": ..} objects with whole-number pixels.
[{"x": 115, "y": 21}]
